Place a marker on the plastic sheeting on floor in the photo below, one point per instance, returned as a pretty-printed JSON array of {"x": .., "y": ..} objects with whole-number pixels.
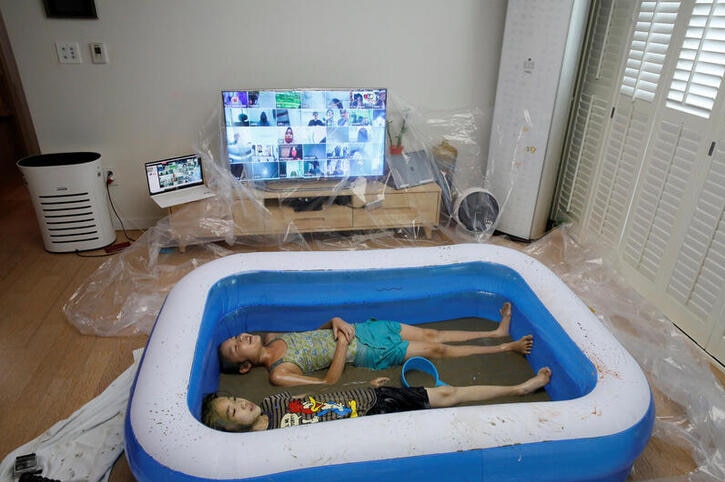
[{"x": 690, "y": 403}]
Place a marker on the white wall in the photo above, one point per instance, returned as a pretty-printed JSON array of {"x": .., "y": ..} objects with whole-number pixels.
[{"x": 169, "y": 59}]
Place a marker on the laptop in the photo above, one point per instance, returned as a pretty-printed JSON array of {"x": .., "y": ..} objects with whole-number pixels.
[
  {"x": 410, "y": 169},
  {"x": 177, "y": 180}
]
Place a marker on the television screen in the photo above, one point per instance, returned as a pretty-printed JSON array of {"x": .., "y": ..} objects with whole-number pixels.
[{"x": 276, "y": 134}]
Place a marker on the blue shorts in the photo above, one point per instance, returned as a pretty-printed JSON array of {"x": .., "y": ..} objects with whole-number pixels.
[{"x": 379, "y": 345}]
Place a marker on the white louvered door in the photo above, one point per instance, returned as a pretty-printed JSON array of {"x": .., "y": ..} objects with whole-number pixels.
[
  {"x": 631, "y": 126},
  {"x": 619, "y": 168},
  {"x": 601, "y": 72},
  {"x": 697, "y": 281},
  {"x": 658, "y": 191},
  {"x": 655, "y": 242}
]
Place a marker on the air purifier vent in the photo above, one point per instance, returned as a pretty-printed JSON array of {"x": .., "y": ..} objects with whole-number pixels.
[{"x": 69, "y": 196}]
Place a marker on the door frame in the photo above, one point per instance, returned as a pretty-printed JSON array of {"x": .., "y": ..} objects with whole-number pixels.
[{"x": 13, "y": 92}]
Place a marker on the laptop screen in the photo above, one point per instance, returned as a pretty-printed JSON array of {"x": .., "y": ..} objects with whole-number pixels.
[{"x": 173, "y": 174}]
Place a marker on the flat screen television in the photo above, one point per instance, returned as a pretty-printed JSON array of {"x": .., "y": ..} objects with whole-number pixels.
[{"x": 305, "y": 134}]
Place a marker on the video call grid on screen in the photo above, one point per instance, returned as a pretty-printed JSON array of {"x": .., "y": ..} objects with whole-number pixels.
[{"x": 305, "y": 134}]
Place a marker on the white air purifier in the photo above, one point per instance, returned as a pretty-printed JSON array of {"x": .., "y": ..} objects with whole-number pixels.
[{"x": 68, "y": 191}]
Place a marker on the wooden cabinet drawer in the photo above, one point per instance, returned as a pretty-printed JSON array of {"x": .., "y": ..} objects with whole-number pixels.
[
  {"x": 249, "y": 217},
  {"x": 330, "y": 218},
  {"x": 396, "y": 209}
]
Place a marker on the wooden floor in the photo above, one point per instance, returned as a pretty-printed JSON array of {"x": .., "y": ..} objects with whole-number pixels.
[{"x": 50, "y": 369}]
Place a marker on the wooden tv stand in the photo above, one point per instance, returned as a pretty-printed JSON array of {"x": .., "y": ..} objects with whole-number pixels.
[{"x": 364, "y": 206}]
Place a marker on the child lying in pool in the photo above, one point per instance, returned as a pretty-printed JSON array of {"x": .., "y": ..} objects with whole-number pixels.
[
  {"x": 291, "y": 357},
  {"x": 233, "y": 414}
]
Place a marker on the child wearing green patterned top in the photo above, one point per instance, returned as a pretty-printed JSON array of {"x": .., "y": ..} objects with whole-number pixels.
[{"x": 291, "y": 357}]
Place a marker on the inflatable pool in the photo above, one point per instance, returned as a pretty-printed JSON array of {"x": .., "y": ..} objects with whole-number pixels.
[{"x": 597, "y": 422}]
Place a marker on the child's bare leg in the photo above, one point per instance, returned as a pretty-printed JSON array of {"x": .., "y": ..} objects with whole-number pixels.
[
  {"x": 415, "y": 333},
  {"x": 440, "y": 350},
  {"x": 446, "y": 396},
  {"x": 505, "y": 323}
]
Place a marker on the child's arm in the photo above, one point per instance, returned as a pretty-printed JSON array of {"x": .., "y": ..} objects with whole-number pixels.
[{"x": 339, "y": 327}]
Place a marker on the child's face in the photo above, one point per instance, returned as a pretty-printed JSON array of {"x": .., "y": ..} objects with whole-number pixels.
[
  {"x": 237, "y": 413},
  {"x": 241, "y": 347}
]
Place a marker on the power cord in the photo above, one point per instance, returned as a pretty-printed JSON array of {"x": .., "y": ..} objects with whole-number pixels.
[
  {"x": 109, "y": 181},
  {"x": 119, "y": 246},
  {"x": 104, "y": 255}
]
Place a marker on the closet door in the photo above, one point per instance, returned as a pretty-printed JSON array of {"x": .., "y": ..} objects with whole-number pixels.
[
  {"x": 607, "y": 40},
  {"x": 695, "y": 286},
  {"x": 716, "y": 343},
  {"x": 657, "y": 185},
  {"x": 635, "y": 105},
  {"x": 672, "y": 242}
]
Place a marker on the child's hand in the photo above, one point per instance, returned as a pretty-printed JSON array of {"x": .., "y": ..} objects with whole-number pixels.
[
  {"x": 379, "y": 382},
  {"x": 342, "y": 327}
]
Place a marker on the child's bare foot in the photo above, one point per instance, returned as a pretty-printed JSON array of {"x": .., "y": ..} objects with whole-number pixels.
[
  {"x": 379, "y": 382},
  {"x": 523, "y": 345},
  {"x": 505, "y": 324},
  {"x": 534, "y": 383}
]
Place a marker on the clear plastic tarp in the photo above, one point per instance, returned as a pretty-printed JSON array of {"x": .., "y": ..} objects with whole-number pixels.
[
  {"x": 125, "y": 294},
  {"x": 689, "y": 401}
]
